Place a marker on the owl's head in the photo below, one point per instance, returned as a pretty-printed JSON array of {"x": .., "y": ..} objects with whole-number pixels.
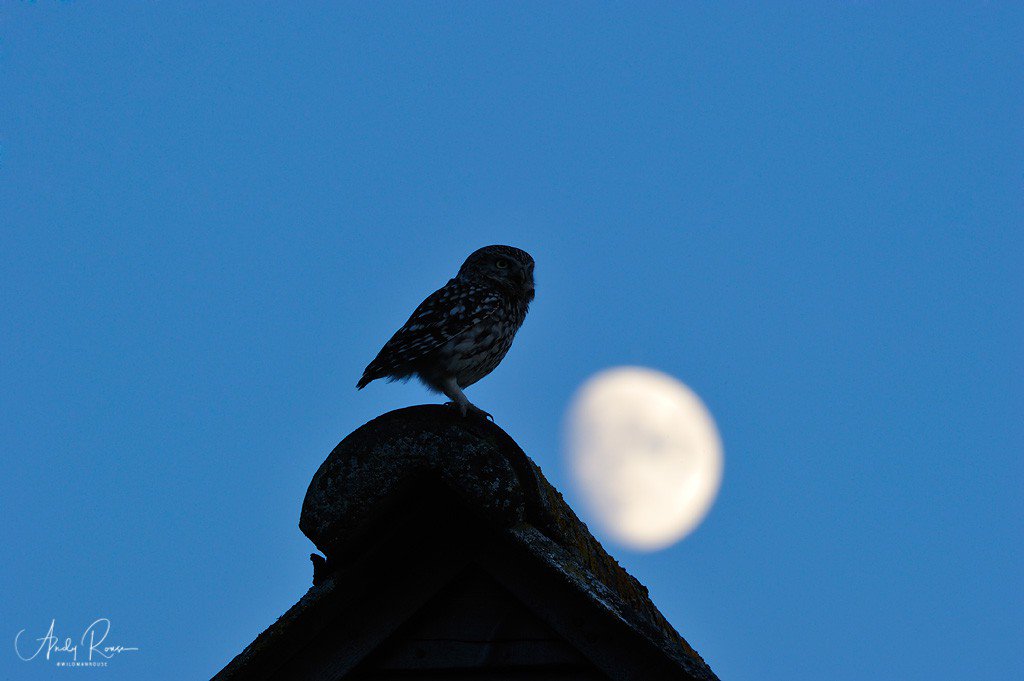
[{"x": 509, "y": 268}]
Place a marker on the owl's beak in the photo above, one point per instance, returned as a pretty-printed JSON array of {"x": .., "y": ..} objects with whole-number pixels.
[{"x": 526, "y": 284}]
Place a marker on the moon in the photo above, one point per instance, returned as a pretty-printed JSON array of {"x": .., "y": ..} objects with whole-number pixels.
[{"x": 646, "y": 455}]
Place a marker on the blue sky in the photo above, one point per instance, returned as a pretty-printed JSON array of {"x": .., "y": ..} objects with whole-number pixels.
[{"x": 811, "y": 213}]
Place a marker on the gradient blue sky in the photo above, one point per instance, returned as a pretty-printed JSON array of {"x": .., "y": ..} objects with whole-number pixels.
[{"x": 811, "y": 213}]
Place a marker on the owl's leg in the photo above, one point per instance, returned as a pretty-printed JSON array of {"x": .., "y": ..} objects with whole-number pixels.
[{"x": 450, "y": 387}]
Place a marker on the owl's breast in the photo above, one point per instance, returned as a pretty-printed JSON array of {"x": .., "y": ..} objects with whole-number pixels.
[{"x": 478, "y": 350}]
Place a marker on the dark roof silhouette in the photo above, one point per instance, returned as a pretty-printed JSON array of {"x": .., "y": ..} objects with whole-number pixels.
[{"x": 449, "y": 554}]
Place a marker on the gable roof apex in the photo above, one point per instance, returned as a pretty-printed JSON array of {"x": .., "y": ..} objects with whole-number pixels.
[{"x": 422, "y": 490}]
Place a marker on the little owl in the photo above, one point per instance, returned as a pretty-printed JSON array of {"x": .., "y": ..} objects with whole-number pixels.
[{"x": 462, "y": 331}]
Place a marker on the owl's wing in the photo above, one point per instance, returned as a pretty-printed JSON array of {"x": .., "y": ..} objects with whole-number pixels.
[{"x": 446, "y": 313}]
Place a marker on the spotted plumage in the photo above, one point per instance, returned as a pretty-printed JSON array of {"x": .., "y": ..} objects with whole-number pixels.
[{"x": 462, "y": 331}]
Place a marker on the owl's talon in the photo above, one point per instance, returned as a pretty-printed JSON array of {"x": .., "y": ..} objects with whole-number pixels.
[
  {"x": 467, "y": 408},
  {"x": 457, "y": 405}
]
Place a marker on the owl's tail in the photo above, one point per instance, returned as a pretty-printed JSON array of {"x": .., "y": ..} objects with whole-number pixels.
[
  {"x": 379, "y": 369},
  {"x": 371, "y": 373}
]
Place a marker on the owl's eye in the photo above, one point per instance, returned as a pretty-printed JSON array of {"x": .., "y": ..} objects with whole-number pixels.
[{"x": 501, "y": 264}]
